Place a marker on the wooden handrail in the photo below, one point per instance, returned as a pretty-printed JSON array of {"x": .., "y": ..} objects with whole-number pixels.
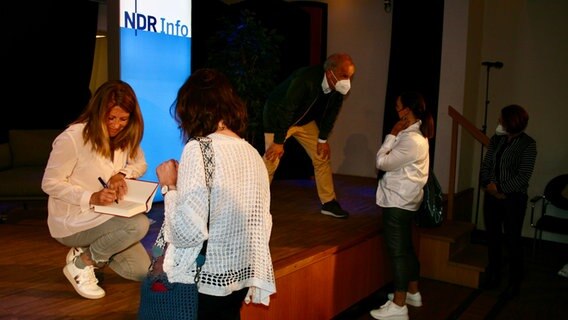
[{"x": 459, "y": 120}]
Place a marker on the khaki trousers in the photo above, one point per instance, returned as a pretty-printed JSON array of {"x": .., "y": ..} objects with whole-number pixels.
[
  {"x": 117, "y": 241},
  {"x": 307, "y": 136}
]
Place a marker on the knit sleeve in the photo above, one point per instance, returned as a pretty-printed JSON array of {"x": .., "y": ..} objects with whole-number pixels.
[{"x": 186, "y": 220}]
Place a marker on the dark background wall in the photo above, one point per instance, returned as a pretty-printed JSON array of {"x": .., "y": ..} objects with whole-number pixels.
[
  {"x": 50, "y": 55},
  {"x": 47, "y": 62},
  {"x": 303, "y": 27},
  {"x": 276, "y": 15}
]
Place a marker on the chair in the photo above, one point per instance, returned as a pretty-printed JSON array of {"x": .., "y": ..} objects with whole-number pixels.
[{"x": 556, "y": 194}]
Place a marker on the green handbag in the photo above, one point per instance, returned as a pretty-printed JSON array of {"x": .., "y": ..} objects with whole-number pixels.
[{"x": 430, "y": 214}]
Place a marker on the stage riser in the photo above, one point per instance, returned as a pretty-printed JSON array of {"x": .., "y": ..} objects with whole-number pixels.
[
  {"x": 328, "y": 284},
  {"x": 446, "y": 254}
]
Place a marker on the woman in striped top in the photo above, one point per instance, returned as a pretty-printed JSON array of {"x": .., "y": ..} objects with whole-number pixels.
[{"x": 505, "y": 173}]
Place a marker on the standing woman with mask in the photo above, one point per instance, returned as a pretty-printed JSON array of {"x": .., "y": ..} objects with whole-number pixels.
[
  {"x": 404, "y": 157},
  {"x": 103, "y": 143},
  {"x": 505, "y": 173}
]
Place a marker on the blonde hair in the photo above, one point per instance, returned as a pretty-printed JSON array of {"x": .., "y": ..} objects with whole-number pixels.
[{"x": 109, "y": 95}]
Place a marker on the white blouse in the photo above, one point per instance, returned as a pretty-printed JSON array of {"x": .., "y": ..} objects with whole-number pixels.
[
  {"x": 405, "y": 160},
  {"x": 71, "y": 177}
]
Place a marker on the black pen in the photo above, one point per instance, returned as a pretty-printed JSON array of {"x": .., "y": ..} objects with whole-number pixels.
[{"x": 106, "y": 187}]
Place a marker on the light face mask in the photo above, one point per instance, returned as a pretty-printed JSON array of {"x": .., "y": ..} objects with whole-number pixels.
[
  {"x": 342, "y": 86},
  {"x": 500, "y": 131}
]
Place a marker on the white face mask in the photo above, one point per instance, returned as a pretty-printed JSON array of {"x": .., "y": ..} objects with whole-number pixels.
[
  {"x": 500, "y": 131},
  {"x": 342, "y": 86}
]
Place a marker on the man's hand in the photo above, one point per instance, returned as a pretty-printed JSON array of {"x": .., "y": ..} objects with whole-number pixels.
[
  {"x": 274, "y": 152},
  {"x": 323, "y": 150}
]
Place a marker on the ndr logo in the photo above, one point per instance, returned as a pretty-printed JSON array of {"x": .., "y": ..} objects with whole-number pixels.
[{"x": 138, "y": 21}]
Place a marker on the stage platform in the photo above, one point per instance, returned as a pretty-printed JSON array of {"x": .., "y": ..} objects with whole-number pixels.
[{"x": 323, "y": 265}]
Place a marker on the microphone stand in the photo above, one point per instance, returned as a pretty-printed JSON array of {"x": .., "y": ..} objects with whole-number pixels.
[{"x": 484, "y": 130}]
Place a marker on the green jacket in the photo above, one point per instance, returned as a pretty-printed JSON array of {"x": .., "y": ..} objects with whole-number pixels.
[{"x": 290, "y": 102}]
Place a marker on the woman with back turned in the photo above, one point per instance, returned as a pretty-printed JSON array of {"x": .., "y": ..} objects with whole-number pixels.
[{"x": 238, "y": 265}]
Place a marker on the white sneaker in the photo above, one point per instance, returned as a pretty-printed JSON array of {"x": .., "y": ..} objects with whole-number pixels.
[
  {"x": 73, "y": 253},
  {"x": 84, "y": 281},
  {"x": 413, "y": 299},
  {"x": 390, "y": 311}
]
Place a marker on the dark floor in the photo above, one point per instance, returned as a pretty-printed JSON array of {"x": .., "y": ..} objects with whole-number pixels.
[{"x": 544, "y": 294}]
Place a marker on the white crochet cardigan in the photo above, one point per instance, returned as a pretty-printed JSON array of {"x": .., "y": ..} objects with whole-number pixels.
[{"x": 238, "y": 253}]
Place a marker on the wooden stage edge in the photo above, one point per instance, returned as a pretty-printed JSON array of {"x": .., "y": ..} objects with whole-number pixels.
[{"x": 323, "y": 265}]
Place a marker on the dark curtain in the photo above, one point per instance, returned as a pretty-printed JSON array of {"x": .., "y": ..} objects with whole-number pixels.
[
  {"x": 205, "y": 16},
  {"x": 318, "y": 29},
  {"x": 292, "y": 21},
  {"x": 289, "y": 21},
  {"x": 415, "y": 57},
  {"x": 48, "y": 61},
  {"x": 303, "y": 44}
]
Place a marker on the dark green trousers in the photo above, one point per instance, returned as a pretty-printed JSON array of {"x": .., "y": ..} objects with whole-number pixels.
[{"x": 397, "y": 225}]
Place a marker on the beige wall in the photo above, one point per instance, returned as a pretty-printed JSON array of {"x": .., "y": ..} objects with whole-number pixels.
[
  {"x": 529, "y": 37},
  {"x": 363, "y": 29}
]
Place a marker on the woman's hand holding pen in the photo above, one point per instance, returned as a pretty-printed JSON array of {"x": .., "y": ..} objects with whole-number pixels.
[{"x": 104, "y": 195}]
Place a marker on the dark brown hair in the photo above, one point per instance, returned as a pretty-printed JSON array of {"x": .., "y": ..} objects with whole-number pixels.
[
  {"x": 206, "y": 98},
  {"x": 514, "y": 118},
  {"x": 416, "y": 103}
]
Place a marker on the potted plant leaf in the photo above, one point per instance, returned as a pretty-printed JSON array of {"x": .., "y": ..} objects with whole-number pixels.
[{"x": 248, "y": 53}]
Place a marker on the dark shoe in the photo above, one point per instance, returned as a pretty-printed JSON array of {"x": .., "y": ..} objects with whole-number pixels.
[
  {"x": 490, "y": 284},
  {"x": 511, "y": 292},
  {"x": 333, "y": 209},
  {"x": 491, "y": 280}
]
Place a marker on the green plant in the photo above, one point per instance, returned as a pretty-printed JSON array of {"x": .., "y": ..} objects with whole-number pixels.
[{"x": 248, "y": 53}]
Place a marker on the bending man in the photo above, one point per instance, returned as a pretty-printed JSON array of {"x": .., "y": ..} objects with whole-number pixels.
[{"x": 305, "y": 106}]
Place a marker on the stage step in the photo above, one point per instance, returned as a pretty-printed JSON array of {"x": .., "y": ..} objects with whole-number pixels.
[
  {"x": 473, "y": 256},
  {"x": 447, "y": 254}
]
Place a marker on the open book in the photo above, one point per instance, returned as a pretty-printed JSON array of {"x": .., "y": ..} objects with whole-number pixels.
[{"x": 139, "y": 199}]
